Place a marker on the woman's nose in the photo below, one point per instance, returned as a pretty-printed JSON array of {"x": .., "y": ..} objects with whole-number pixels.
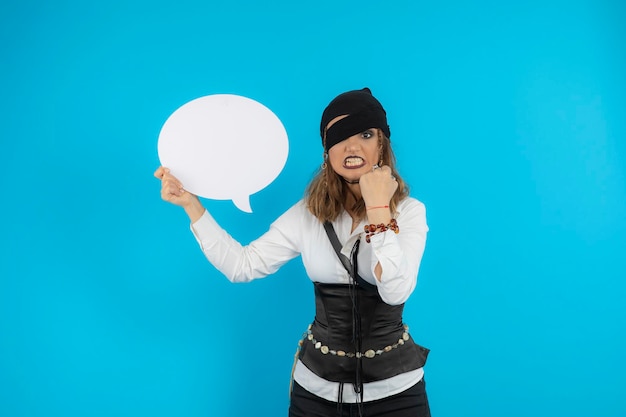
[{"x": 353, "y": 142}]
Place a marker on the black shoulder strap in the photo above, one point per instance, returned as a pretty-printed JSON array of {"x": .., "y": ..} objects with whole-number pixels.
[{"x": 350, "y": 266}]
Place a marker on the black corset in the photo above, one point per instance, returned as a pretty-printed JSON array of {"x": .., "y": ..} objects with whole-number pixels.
[{"x": 369, "y": 343}]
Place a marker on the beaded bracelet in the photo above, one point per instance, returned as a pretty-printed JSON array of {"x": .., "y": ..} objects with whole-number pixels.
[{"x": 372, "y": 229}]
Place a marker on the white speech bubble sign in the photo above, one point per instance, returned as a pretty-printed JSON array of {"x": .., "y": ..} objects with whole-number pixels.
[{"x": 224, "y": 147}]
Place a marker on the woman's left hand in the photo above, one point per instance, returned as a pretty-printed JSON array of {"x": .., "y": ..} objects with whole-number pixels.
[{"x": 378, "y": 186}]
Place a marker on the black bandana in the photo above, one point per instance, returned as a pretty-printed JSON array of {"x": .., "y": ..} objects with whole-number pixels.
[{"x": 363, "y": 110}]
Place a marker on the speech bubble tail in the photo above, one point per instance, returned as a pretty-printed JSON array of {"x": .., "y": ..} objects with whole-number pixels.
[{"x": 243, "y": 204}]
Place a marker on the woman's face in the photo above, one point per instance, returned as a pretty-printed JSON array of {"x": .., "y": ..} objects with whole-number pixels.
[{"x": 355, "y": 155}]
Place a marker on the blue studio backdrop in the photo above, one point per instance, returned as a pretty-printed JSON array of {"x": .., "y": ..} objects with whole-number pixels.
[{"x": 509, "y": 123}]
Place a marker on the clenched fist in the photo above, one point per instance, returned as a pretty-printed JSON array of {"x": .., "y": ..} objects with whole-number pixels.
[{"x": 378, "y": 186}]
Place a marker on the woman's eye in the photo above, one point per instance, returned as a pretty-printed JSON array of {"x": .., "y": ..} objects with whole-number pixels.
[{"x": 367, "y": 134}]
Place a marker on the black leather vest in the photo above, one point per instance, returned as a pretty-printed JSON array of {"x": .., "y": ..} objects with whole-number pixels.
[{"x": 370, "y": 345}]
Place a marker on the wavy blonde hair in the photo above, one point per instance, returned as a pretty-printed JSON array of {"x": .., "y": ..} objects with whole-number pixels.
[{"x": 327, "y": 192}]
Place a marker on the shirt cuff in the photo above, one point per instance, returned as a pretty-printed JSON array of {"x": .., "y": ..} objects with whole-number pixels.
[
  {"x": 393, "y": 287},
  {"x": 384, "y": 245},
  {"x": 205, "y": 227}
]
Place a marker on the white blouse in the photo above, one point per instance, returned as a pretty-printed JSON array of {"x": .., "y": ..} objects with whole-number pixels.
[{"x": 298, "y": 232}]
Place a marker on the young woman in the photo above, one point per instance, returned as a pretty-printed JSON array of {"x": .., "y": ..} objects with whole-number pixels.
[{"x": 361, "y": 238}]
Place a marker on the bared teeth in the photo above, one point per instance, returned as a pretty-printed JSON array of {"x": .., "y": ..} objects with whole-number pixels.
[{"x": 353, "y": 161}]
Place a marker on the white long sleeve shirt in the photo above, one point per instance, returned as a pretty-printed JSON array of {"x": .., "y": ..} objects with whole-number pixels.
[{"x": 298, "y": 232}]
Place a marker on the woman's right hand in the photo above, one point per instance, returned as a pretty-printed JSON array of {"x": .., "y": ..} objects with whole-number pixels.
[{"x": 172, "y": 191}]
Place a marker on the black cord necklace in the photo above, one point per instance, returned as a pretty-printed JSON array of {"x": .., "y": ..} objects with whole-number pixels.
[{"x": 356, "y": 326}]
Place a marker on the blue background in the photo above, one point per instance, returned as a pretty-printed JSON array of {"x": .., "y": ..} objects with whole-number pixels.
[{"x": 508, "y": 121}]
